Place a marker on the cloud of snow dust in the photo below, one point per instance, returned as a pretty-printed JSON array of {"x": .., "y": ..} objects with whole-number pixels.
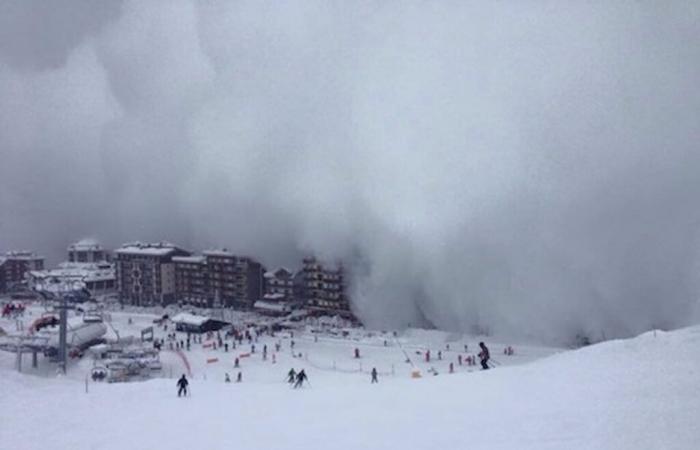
[{"x": 518, "y": 167}]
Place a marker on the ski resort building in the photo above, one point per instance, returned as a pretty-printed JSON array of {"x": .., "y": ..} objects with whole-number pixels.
[
  {"x": 280, "y": 283},
  {"x": 15, "y": 265},
  {"x": 86, "y": 268},
  {"x": 146, "y": 273},
  {"x": 192, "y": 280},
  {"x": 218, "y": 278},
  {"x": 192, "y": 323},
  {"x": 324, "y": 288},
  {"x": 87, "y": 251},
  {"x": 282, "y": 292},
  {"x": 97, "y": 278}
]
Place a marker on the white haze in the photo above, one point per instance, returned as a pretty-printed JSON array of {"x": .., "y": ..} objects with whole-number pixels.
[{"x": 526, "y": 167}]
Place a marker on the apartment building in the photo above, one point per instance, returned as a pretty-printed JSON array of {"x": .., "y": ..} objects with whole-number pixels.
[
  {"x": 87, "y": 251},
  {"x": 324, "y": 288},
  {"x": 146, "y": 273},
  {"x": 14, "y": 267},
  {"x": 218, "y": 278},
  {"x": 192, "y": 280}
]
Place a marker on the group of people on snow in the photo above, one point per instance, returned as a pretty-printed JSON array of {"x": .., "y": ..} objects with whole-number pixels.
[
  {"x": 13, "y": 310},
  {"x": 296, "y": 379}
]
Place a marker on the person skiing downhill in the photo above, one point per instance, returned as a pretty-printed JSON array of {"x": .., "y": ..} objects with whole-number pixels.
[
  {"x": 484, "y": 356},
  {"x": 291, "y": 376},
  {"x": 301, "y": 377},
  {"x": 182, "y": 386},
  {"x": 374, "y": 375}
]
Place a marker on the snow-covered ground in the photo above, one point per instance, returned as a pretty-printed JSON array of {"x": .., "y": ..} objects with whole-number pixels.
[{"x": 642, "y": 393}]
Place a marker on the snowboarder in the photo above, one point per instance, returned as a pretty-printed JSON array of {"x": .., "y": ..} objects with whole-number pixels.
[
  {"x": 291, "y": 376},
  {"x": 374, "y": 375},
  {"x": 301, "y": 377},
  {"x": 182, "y": 386},
  {"x": 484, "y": 356}
]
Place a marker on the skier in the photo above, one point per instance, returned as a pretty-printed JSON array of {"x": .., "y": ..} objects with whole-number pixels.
[
  {"x": 301, "y": 377},
  {"x": 374, "y": 375},
  {"x": 228, "y": 378},
  {"x": 291, "y": 376},
  {"x": 239, "y": 377},
  {"x": 182, "y": 386},
  {"x": 484, "y": 356}
]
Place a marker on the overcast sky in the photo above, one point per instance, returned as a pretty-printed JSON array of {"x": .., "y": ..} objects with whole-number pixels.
[{"x": 526, "y": 167}]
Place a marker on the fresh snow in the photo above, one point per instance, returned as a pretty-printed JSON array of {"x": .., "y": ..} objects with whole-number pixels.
[{"x": 641, "y": 393}]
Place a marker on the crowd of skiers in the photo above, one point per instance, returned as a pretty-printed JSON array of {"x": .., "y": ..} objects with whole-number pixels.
[{"x": 298, "y": 379}]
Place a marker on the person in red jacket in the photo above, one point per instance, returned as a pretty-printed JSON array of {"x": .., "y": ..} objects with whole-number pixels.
[{"x": 484, "y": 356}]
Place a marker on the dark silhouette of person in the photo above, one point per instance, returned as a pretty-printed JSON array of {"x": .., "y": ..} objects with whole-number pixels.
[
  {"x": 484, "y": 356},
  {"x": 182, "y": 384},
  {"x": 301, "y": 377}
]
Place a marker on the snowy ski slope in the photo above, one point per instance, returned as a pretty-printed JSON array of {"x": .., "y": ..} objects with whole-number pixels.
[{"x": 642, "y": 393}]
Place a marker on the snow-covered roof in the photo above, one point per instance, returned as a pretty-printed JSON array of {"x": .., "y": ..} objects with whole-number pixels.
[
  {"x": 271, "y": 306},
  {"x": 71, "y": 274},
  {"x": 22, "y": 255},
  {"x": 278, "y": 272},
  {"x": 218, "y": 252},
  {"x": 275, "y": 296},
  {"x": 190, "y": 259},
  {"x": 85, "y": 244},
  {"x": 138, "y": 248},
  {"x": 189, "y": 319}
]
